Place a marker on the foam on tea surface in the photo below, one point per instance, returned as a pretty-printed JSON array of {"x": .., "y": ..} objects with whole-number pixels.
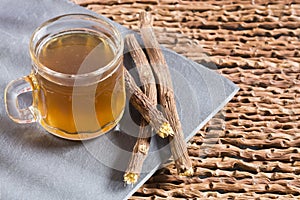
[{"x": 76, "y": 53}]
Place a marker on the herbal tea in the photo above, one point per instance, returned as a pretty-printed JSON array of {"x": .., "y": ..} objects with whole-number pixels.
[
  {"x": 77, "y": 79},
  {"x": 85, "y": 109}
]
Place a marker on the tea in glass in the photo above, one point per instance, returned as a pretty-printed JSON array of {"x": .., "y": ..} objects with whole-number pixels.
[{"x": 77, "y": 78}]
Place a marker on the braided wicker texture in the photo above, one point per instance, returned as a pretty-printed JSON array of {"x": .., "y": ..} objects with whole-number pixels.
[{"x": 251, "y": 149}]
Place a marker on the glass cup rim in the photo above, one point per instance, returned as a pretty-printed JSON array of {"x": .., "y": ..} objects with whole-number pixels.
[{"x": 44, "y": 69}]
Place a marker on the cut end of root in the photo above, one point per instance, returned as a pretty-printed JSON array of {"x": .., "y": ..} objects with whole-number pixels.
[
  {"x": 187, "y": 172},
  {"x": 165, "y": 130},
  {"x": 145, "y": 19},
  {"x": 130, "y": 178}
]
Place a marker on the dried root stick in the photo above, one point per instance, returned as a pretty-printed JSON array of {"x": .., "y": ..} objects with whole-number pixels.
[
  {"x": 141, "y": 148},
  {"x": 166, "y": 95}
]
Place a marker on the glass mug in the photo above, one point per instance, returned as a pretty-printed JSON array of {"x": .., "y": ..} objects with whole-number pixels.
[{"x": 77, "y": 82}]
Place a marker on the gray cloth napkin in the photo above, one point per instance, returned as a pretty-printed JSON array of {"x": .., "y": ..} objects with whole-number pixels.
[{"x": 36, "y": 165}]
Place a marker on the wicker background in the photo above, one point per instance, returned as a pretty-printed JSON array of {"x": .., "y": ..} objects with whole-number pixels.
[{"x": 250, "y": 150}]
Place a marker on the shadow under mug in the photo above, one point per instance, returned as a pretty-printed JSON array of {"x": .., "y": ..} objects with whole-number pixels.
[{"x": 75, "y": 105}]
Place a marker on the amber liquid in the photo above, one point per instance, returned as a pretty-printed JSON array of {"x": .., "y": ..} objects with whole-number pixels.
[{"x": 79, "y": 111}]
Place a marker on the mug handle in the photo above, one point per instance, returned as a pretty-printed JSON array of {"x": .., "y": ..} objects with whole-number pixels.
[{"x": 12, "y": 91}]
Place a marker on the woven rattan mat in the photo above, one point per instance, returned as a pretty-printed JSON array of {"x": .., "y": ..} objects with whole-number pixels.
[{"x": 251, "y": 149}]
